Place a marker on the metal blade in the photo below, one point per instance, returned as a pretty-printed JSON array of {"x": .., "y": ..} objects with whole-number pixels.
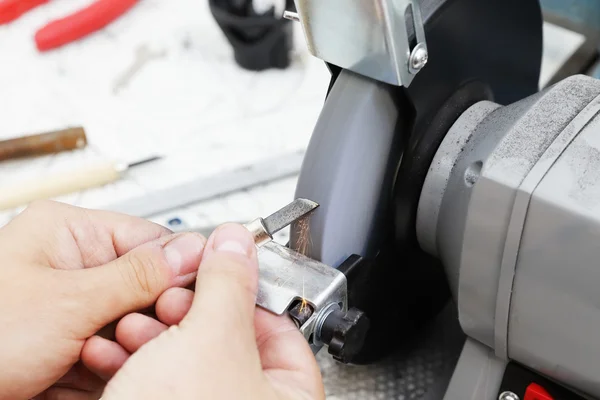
[
  {"x": 288, "y": 214},
  {"x": 144, "y": 161}
]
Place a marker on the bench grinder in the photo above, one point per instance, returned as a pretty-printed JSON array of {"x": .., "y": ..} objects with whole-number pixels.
[{"x": 445, "y": 177}]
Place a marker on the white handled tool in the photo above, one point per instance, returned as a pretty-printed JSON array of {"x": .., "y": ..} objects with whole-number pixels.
[{"x": 64, "y": 183}]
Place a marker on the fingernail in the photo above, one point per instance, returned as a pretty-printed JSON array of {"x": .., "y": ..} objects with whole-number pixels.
[
  {"x": 233, "y": 239},
  {"x": 184, "y": 253}
]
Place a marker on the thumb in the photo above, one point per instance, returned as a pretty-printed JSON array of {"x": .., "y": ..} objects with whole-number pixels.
[
  {"x": 137, "y": 279},
  {"x": 226, "y": 285}
]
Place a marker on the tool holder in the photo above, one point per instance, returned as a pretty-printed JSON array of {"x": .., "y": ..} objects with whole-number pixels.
[{"x": 313, "y": 294}]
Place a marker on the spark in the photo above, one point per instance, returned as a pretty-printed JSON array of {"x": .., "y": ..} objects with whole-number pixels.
[
  {"x": 303, "y": 242},
  {"x": 302, "y": 247}
]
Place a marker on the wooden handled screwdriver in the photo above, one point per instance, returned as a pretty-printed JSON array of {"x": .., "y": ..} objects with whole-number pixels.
[
  {"x": 65, "y": 183},
  {"x": 43, "y": 143}
]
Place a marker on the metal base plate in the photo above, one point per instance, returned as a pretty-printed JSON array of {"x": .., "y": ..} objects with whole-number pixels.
[{"x": 419, "y": 372}]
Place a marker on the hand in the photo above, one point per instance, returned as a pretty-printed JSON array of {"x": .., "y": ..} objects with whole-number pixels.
[
  {"x": 219, "y": 345},
  {"x": 68, "y": 272}
]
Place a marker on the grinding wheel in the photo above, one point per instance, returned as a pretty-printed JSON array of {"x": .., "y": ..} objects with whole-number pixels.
[{"x": 373, "y": 144}]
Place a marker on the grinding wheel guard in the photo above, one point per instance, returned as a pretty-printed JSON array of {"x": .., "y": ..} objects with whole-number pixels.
[{"x": 369, "y": 37}]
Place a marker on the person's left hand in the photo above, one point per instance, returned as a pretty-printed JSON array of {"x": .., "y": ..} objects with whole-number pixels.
[{"x": 65, "y": 274}]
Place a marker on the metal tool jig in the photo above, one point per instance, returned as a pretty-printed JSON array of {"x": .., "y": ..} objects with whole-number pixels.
[{"x": 313, "y": 294}]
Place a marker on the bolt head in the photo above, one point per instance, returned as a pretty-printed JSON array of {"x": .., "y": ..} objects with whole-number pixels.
[
  {"x": 508, "y": 396},
  {"x": 419, "y": 58}
]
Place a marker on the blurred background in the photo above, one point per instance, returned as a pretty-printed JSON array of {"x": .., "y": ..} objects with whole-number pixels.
[
  {"x": 162, "y": 80},
  {"x": 189, "y": 103}
]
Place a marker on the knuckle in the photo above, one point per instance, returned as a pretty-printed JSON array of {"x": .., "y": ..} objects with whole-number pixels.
[{"x": 143, "y": 271}]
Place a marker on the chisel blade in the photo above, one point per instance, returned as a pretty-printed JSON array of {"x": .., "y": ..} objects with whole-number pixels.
[{"x": 288, "y": 214}]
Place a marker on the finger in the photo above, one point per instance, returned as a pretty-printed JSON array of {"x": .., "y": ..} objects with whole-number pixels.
[
  {"x": 285, "y": 354},
  {"x": 102, "y": 236},
  {"x": 281, "y": 344},
  {"x": 118, "y": 232},
  {"x": 127, "y": 232},
  {"x": 227, "y": 282},
  {"x": 103, "y": 357},
  {"x": 173, "y": 305},
  {"x": 222, "y": 312},
  {"x": 135, "y": 280},
  {"x": 135, "y": 330}
]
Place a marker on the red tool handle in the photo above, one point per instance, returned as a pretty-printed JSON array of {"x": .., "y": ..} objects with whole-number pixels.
[
  {"x": 13, "y": 9},
  {"x": 82, "y": 23}
]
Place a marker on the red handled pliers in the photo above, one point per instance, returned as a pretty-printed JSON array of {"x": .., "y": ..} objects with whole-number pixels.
[{"x": 68, "y": 29}]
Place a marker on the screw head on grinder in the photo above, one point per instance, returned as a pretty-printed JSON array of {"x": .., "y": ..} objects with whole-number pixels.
[
  {"x": 508, "y": 396},
  {"x": 345, "y": 333},
  {"x": 418, "y": 58}
]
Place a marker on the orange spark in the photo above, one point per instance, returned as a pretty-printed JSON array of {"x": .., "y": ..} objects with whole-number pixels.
[{"x": 302, "y": 247}]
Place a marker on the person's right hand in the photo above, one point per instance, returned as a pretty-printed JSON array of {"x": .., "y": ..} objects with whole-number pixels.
[{"x": 219, "y": 345}]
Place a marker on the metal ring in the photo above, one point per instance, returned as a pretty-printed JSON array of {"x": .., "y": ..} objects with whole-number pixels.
[{"x": 320, "y": 320}]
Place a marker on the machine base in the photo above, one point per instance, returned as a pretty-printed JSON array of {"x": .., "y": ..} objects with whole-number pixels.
[{"x": 420, "y": 370}]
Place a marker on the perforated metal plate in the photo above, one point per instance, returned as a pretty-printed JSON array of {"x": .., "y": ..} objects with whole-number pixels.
[{"x": 419, "y": 372}]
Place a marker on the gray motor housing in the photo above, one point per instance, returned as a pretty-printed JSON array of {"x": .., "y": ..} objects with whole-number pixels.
[{"x": 511, "y": 205}]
